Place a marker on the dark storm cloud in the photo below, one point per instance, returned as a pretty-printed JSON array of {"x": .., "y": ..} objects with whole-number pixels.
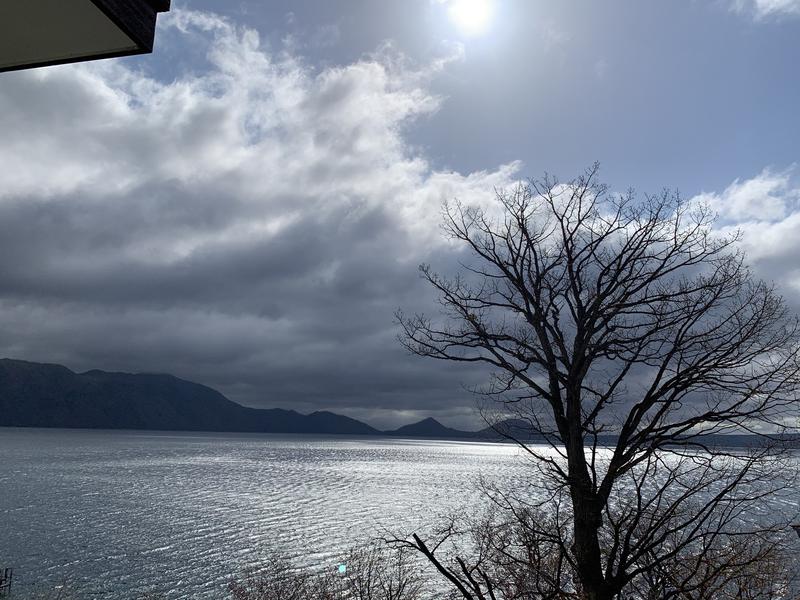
[{"x": 252, "y": 227}]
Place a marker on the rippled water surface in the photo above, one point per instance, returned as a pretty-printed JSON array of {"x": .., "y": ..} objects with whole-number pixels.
[{"x": 122, "y": 513}]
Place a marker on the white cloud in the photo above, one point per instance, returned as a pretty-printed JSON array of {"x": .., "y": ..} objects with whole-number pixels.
[
  {"x": 769, "y": 196},
  {"x": 258, "y": 127},
  {"x": 766, "y": 9},
  {"x": 765, "y": 209},
  {"x": 601, "y": 68}
]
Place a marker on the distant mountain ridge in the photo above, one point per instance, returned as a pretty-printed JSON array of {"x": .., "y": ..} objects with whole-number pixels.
[
  {"x": 430, "y": 427},
  {"x": 49, "y": 395}
]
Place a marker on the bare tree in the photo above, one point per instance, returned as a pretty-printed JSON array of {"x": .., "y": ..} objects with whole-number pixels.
[
  {"x": 627, "y": 336},
  {"x": 372, "y": 572}
]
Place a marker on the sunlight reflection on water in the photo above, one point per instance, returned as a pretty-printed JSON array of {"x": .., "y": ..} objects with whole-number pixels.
[{"x": 122, "y": 513}]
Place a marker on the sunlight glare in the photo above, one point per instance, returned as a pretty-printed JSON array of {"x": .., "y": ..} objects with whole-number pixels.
[{"x": 470, "y": 16}]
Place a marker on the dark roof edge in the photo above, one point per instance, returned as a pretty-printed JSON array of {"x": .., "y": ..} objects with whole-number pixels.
[
  {"x": 159, "y": 5},
  {"x": 137, "y": 18},
  {"x": 73, "y": 59}
]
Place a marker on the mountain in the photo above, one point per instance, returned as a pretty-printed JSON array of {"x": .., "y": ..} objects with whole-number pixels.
[
  {"x": 516, "y": 428},
  {"x": 46, "y": 395},
  {"x": 327, "y": 422},
  {"x": 520, "y": 429},
  {"x": 429, "y": 428}
]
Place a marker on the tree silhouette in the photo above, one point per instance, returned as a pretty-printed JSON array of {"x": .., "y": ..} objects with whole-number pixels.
[{"x": 627, "y": 336}]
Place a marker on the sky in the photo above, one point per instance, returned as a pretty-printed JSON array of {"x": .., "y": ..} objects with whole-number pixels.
[{"x": 247, "y": 206}]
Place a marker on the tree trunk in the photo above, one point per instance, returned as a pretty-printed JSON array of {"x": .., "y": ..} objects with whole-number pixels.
[
  {"x": 587, "y": 511},
  {"x": 586, "y": 545}
]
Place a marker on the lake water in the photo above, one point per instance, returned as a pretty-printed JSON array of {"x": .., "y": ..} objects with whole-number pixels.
[{"x": 120, "y": 513}]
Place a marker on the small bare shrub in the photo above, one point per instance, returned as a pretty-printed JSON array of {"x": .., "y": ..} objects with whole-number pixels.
[{"x": 372, "y": 573}]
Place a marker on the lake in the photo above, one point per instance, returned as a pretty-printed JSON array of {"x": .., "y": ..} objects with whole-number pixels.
[
  {"x": 122, "y": 513},
  {"x": 118, "y": 514}
]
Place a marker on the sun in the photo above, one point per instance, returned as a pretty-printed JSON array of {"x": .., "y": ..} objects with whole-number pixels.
[{"x": 472, "y": 17}]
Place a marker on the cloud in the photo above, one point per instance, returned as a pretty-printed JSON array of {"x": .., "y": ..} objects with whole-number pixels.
[
  {"x": 251, "y": 223},
  {"x": 767, "y": 9},
  {"x": 601, "y": 68},
  {"x": 243, "y": 219},
  {"x": 769, "y": 196},
  {"x": 765, "y": 209}
]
